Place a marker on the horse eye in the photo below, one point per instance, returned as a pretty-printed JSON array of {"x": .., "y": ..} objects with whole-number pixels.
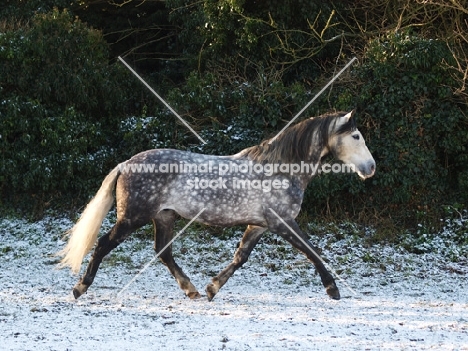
[{"x": 356, "y": 136}]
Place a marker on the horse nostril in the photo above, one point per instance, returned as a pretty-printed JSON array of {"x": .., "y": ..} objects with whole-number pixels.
[{"x": 372, "y": 168}]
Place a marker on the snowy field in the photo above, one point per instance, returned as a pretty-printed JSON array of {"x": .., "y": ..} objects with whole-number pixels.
[{"x": 391, "y": 299}]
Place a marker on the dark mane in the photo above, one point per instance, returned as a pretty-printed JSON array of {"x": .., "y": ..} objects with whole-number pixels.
[{"x": 301, "y": 142}]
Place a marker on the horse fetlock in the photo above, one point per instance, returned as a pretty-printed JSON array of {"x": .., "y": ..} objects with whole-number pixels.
[
  {"x": 193, "y": 295},
  {"x": 190, "y": 290}
]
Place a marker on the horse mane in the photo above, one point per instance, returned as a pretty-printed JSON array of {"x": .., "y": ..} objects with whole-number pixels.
[{"x": 301, "y": 142}]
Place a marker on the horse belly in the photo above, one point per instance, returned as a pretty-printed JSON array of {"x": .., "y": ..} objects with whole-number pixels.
[{"x": 221, "y": 206}]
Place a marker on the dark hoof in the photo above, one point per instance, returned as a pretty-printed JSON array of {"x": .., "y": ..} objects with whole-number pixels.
[
  {"x": 333, "y": 292},
  {"x": 194, "y": 295},
  {"x": 211, "y": 291},
  {"x": 79, "y": 290}
]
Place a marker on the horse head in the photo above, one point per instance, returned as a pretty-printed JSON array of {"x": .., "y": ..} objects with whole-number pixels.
[{"x": 347, "y": 144}]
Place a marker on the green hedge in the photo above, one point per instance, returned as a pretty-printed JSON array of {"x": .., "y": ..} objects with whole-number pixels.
[
  {"x": 68, "y": 114},
  {"x": 61, "y": 107},
  {"x": 415, "y": 124},
  {"x": 419, "y": 128}
]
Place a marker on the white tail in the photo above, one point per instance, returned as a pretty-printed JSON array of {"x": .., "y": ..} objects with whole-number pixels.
[{"x": 84, "y": 233}]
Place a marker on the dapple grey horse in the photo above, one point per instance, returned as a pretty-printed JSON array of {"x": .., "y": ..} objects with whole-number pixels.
[{"x": 261, "y": 187}]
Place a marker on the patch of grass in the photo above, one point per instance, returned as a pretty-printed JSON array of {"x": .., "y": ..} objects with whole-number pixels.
[
  {"x": 6, "y": 249},
  {"x": 145, "y": 233},
  {"x": 369, "y": 258},
  {"x": 386, "y": 232},
  {"x": 117, "y": 259}
]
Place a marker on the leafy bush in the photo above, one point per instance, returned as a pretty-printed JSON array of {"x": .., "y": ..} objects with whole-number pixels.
[
  {"x": 233, "y": 117},
  {"x": 241, "y": 37},
  {"x": 414, "y": 123},
  {"x": 22, "y": 11},
  {"x": 61, "y": 107}
]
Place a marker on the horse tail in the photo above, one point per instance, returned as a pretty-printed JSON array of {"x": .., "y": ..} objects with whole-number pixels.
[{"x": 84, "y": 233}]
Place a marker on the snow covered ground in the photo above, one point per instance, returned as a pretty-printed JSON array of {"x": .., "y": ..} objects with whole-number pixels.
[{"x": 391, "y": 299}]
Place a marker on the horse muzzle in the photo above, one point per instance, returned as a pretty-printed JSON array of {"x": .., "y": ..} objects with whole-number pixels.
[{"x": 366, "y": 170}]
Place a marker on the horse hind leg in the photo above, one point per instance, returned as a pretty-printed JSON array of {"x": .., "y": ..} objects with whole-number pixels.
[
  {"x": 119, "y": 232},
  {"x": 164, "y": 230},
  {"x": 250, "y": 238}
]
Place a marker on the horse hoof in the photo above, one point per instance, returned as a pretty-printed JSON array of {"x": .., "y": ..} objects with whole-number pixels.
[
  {"x": 194, "y": 295},
  {"x": 79, "y": 290},
  {"x": 333, "y": 292},
  {"x": 76, "y": 293},
  {"x": 211, "y": 291}
]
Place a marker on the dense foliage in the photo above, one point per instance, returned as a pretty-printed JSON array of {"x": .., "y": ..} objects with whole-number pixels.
[
  {"x": 237, "y": 71},
  {"x": 61, "y": 103}
]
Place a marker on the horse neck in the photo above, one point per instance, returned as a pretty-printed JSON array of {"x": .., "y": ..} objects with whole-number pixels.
[{"x": 314, "y": 162}]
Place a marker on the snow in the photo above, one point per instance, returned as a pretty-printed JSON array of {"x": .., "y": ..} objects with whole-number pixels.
[{"x": 401, "y": 301}]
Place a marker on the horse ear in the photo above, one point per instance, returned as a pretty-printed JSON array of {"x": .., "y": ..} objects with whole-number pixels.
[{"x": 350, "y": 115}]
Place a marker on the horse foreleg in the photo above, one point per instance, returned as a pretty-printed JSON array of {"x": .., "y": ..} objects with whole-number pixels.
[
  {"x": 250, "y": 238},
  {"x": 119, "y": 232},
  {"x": 300, "y": 241},
  {"x": 163, "y": 233}
]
